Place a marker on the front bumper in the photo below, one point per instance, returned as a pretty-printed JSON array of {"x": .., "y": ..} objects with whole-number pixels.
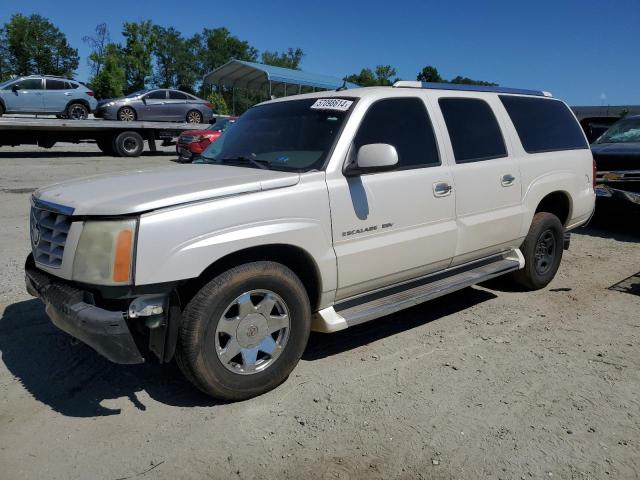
[
  {"x": 606, "y": 191},
  {"x": 72, "y": 311}
]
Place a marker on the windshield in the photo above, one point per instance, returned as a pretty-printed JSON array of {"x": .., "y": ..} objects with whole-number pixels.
[
  {"x": 623, "y": 131},
  {"x": 6, "y": 83},
  {"x": 138, "y": 93},
  {"x": 295, "y": 135}
]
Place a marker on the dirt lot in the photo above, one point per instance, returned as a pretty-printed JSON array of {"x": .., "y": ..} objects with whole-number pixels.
[{"x": 485, "y": 383}]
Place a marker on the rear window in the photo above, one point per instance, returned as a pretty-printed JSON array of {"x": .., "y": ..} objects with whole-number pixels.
[
  {"x": 473, "y": 129},
  {"x": 173, "y": 95},
  {"x": 544, "y": 125}
]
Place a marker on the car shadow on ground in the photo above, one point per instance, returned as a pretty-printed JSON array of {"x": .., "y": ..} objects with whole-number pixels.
[
  {"x": 614, "y": 220},
  {"x": 323, "y": 345},
  {"x": 74, "y": 380}
]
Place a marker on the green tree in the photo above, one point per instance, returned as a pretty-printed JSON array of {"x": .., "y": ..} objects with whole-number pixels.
[
  {"x": 217, "y": 46},
  {"x": 111, "y": 80},
  {"x": 175, "y": 58},
  {"x": 138, "y": 52},
  {"x": 5, "y": 60},
  {"x": 98, "y": 43},
  {"x": 429, "y": 74},
  {"x": 469, "y": 81},
  {"x": 219, "y": 104},
  {"x": 369, "y": 78},
  {"x": 289, "y": 59},
  {"x": 33, "y": 45}
]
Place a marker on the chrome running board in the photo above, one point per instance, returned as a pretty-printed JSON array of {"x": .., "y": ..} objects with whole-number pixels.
[{"x": 379, "y": 304}]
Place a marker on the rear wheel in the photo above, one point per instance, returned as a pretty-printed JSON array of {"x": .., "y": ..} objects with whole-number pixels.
[
  {"x": 244, "y": 332},
  {"x": 128, "y": 144},
  {"x": 542, "y": 251},
  {"x": 77, "y": 111},
  {"x": 46, "y": 142},
  {"x": 1, "y": 110},
  {"x": 127, "y": 114},
  {"x": 194, "y": 116}
]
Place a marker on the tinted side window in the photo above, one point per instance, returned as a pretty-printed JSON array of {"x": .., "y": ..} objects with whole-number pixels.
[
  {"x": 157, "y": 95},
  {"x": 405, "y": 124},
  {"x": 70, "y": 85},
  {"x": 543, "y": 124},
  {"x": 30, "y": 84},
  {"x": 473, "y": 129},
  {"x": 173, "y": 95},
  {"x": 52, "y": 84}
]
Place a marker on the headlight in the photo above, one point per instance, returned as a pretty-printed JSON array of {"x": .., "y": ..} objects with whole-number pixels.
[{"x": 105, "y": 252}]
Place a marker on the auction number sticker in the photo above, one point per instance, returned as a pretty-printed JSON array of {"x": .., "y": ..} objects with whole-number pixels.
[{"x": 336, "y": 104}]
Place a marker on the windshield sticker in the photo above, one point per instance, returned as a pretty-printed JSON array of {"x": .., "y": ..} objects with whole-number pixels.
[{"x": 335, "y": 104}]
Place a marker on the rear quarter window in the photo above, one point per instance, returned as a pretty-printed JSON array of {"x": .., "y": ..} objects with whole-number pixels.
[{"x": 543, "y": 124}]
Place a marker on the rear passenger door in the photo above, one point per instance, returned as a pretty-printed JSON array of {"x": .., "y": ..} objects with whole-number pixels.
[
  {"x": 393, "y": 225},
  {"x": 56, "y": 95},
  {"x": 486, "y": 178},
  {"x": 178, "y": 105}
]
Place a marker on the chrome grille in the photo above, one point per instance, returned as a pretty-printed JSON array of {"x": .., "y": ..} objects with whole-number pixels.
[{"x": 49, "y": 230}]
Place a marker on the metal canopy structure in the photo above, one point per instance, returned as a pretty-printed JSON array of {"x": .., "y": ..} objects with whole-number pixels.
[{"x": 270, "y": 80}]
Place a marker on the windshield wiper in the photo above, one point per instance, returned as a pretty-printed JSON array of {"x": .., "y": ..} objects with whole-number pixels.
[{"x": 263, "y": 164}]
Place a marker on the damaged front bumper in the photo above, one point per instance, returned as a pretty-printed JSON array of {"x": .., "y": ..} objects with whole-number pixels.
[
  {"x": 606, "y": 191},
  {"x": 72, "y": 310}
]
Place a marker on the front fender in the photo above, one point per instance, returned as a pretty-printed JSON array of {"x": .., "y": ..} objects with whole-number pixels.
[{"x": 180, "y": 243}]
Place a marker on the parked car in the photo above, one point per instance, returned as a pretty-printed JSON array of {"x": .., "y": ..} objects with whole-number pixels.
[
  {"x": 43, "y": 94},
  {"x": 159, "y": 105},
  {"x": 311, "y": 212},
  {"x": 193, "y": 142},
  {"x": 617, "y": 157}
]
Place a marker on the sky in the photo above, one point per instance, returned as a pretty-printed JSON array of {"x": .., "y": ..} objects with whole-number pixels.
[{"x": 585, "y": 52}]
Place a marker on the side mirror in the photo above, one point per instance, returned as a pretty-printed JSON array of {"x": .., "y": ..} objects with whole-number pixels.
[
  {"x": 374, "y": 157},
  {"x": 15, "y": 88},
  {"x": 144, "y": 100}
]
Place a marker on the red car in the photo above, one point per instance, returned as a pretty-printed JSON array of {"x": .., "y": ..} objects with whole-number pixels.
[{"x": 193, "y": 142}]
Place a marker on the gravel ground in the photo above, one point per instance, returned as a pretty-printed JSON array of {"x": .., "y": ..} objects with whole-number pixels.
[{"x": 485, "y": 383}]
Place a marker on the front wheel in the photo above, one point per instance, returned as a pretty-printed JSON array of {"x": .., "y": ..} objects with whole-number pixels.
[
  {"x": 542, "y": 251},
  {"x": 126, "y": 114},
  {"x": 244, "y": 332}
]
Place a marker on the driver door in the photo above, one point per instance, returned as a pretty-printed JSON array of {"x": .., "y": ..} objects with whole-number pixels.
[
  {"x": 396, "y": 225},
  {"x": 154, "y": 106}
]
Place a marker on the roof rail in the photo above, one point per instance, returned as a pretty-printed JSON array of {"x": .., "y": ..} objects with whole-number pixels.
[{"x": 468, "y": 88}]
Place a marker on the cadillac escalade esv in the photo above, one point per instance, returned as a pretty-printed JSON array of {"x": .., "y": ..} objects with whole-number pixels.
[{"x": 315, "y": 212}]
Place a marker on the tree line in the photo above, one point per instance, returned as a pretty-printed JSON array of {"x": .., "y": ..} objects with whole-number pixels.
[{"x": 153, "y": 55}]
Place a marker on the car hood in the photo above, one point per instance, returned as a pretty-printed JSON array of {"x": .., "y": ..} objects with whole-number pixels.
[
  {"x": 632, "y": 148},
  {"x": 616, "y": 156},
  {"x": 144, "y": 190}
]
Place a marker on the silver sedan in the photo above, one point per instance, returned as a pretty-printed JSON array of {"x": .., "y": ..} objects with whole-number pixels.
[{"x": 159, "y": 105}]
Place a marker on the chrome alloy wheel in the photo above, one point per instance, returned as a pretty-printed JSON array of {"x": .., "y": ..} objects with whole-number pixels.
[
  {"x": 252, "y": 332},
  {"x": 194, "y": 117},
  {"x": 545, "y": 252},
  {"x": 126, "y": 114}
]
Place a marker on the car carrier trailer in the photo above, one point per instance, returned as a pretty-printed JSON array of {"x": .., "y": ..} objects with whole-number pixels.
[{"x": 121, "y": 139}]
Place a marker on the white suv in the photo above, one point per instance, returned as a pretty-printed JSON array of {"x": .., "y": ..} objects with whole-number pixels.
[{"x": 314, "y": 212}]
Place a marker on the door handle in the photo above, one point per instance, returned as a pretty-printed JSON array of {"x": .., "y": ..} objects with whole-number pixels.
[
  {"x": 507, "y": 180},
  {"x": 441, "y": 189},
  {"x": 68, "y": 94}
]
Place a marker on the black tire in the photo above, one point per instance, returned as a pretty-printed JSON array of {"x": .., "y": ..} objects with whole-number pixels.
[
  {"x": 77, "y": 111},
  {"x": 128, "y": 144},
  {"x": 46, "y": 142},
  {"x": 127, "y": 114},
  {"x": 196, "y": 351},
  {"x": 194, "y": 116},
  {"x": 542, "y": 250},
  {"x": 106, "y": 146},
  {"x": 1, "y": 109}
]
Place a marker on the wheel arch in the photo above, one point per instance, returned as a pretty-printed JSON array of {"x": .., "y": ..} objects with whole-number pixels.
[
  {"x": 557, "y": 203},
  {"x": 296, "y": 258},
  {"x": 77, "y": 100}
]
